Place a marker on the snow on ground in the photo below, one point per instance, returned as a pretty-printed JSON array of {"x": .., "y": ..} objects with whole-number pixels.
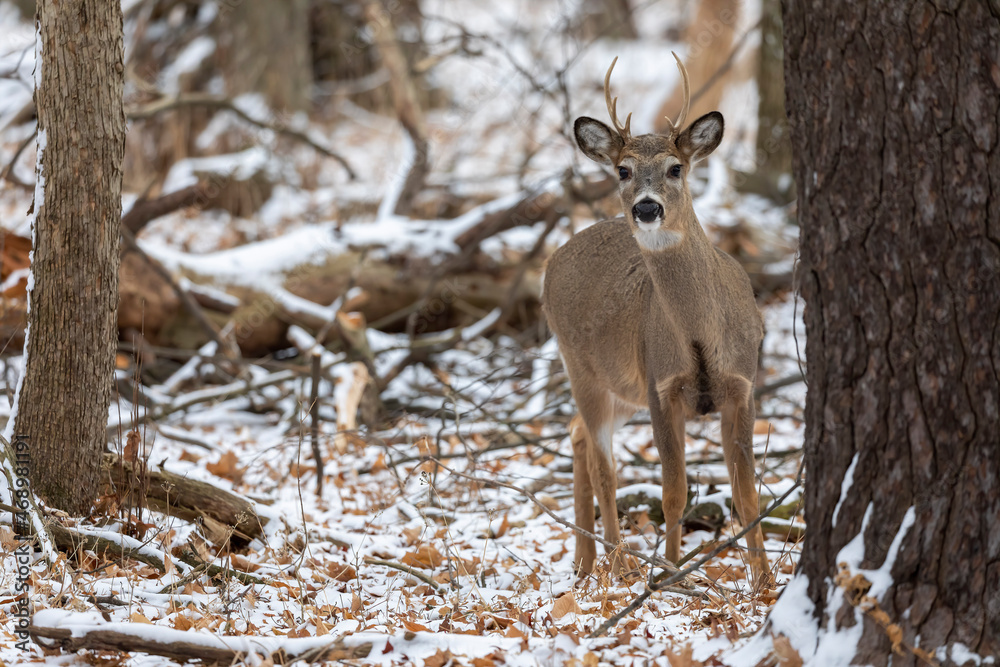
[{"x": 420, "y": 558}]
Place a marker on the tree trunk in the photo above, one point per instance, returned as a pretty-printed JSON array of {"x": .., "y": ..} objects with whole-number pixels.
[
  {"x": 265, "y": 49},
  {"x": 895, "y": 116},
  {"x": 773, "y": 157},
  {"x": 711, "y": 38},
  {"x": 66, "y": 390}
]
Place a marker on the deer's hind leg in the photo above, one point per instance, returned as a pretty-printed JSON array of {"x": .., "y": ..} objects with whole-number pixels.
[
  {"x": 738, "y": 414},
  {"x": 594, "y": 471},
  {"x": 583, "y": 497}
]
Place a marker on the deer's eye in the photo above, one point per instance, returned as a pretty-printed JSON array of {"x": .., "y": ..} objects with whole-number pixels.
[
  {"x": 675, "y": 171},
  {"x": 623, "y": 173}
]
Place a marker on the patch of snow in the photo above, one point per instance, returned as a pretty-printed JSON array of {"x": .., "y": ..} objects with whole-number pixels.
[
  {"x": 845, "y": 486},
  {"x": 961, "y": 654},
  {"x": 187, "y": 61}
]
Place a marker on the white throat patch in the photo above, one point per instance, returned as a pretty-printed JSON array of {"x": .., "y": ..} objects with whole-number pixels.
[{"x": 657, "y": 239}]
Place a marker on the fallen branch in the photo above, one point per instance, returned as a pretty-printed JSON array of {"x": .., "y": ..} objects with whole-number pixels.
[
  {"x": 88, "y": 634},
  {"x": 71, "y": 540},
  {"x": 185, "y": 298},
  {"x": 191, "y": 499},
  {"x": 145, "y": 211},
  {"x": 188, "y": 557},
  {"x": 224, "y": 392},
  {"x": 772, "y": 387}
]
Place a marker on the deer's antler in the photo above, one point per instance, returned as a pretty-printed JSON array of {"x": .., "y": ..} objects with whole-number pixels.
[
  {"x": 623, "y": 131},
  {"x": 677, "y": 125}
]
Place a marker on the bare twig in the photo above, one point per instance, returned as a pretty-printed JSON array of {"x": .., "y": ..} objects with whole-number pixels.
[
  {"x": 317, "y": 359},
  {"x": 772, "y": 387},
  {"x": 403, "y": 568},
  {"x": 202, "y": 100},
  {"x": 653, "y": 560},
  {"x": 8, "y": 171}
]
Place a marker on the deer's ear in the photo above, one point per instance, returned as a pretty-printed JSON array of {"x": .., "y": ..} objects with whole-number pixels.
[
  {"x": 701, "y": 137},
  {"x": 598, "y": 141}
]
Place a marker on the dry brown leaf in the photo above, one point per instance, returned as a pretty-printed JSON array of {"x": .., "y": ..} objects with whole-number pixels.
[
  {"x": 412, "y": 535},
  {"x": 503, "y": 528},
  {"x": 426, "y": 556},
  {"x": 356, "y": 604},
  {"x": 439, "y": 659},
  {"x": 415, "y": 627},
  {"x": 137, "y": 617},
  {"x": 682, "y": 659},
  {"x": 565, "y": 604},
  {"x": 132, "y": 445},
  {"x": 787, "y": 655},
  {"x": 241, "y": 563},
  {"x": 548, "y": 502},
  {"x": 342, "y": 572},
  {"x": 188, "y": 456},
  {"x": 227, "y": 467},
  {"x": 181, "y": 622}
]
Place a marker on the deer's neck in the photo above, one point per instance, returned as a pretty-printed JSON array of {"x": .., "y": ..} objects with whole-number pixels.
[{"x": 684, "y": 283}]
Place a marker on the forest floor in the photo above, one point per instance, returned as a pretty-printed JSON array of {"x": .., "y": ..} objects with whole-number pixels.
[{"x": 411, "y": 549}]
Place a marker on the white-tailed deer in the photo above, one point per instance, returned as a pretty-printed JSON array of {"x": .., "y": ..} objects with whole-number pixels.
[{"x": 648, "y": 313}]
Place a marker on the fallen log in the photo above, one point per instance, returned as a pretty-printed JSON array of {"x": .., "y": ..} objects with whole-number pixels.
[
  {"x": 191, "y": 500},
  {"x": 56, "y": 629}
]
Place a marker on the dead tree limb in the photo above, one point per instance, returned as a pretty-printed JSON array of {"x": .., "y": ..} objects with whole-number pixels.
[
  {"x": 404, "y": 97},
  {"x": 185, "y": 298},
  {"x": 145, "y": 211},
  {"x": 191, "y": 500},
  {"x": 187, "y": 646}
]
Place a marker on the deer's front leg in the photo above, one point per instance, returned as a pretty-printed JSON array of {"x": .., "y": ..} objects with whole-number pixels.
[{"x": 667, "y": 415}]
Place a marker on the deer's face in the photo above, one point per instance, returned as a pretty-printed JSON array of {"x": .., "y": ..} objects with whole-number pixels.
[{"x": 652, "y": 170}]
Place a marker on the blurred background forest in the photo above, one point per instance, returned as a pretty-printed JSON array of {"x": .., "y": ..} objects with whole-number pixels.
[{"x": 251, "y": 119}]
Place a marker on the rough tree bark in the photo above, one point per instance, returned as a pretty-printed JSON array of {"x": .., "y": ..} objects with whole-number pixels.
[
  {"x": 895, "y": 116},
  {"x": 63, "y": 401}
]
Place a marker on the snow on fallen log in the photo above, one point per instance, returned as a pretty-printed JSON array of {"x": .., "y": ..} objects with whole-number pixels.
[{"x": 69, "y": 631}]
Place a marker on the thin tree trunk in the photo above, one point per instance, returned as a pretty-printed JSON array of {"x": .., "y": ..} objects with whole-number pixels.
[
  {"x": 64, "y": 398},
  {"x": 265, "y": 49},
  {"x": 404, "y": 96},
  {"x": 771, "y": 175},
  {"x": 895, "y": 115},
  {"x": 711, "y": 38}
]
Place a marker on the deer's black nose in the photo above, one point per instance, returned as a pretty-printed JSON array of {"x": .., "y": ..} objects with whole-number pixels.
[{"x": 647, "y": 211}]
